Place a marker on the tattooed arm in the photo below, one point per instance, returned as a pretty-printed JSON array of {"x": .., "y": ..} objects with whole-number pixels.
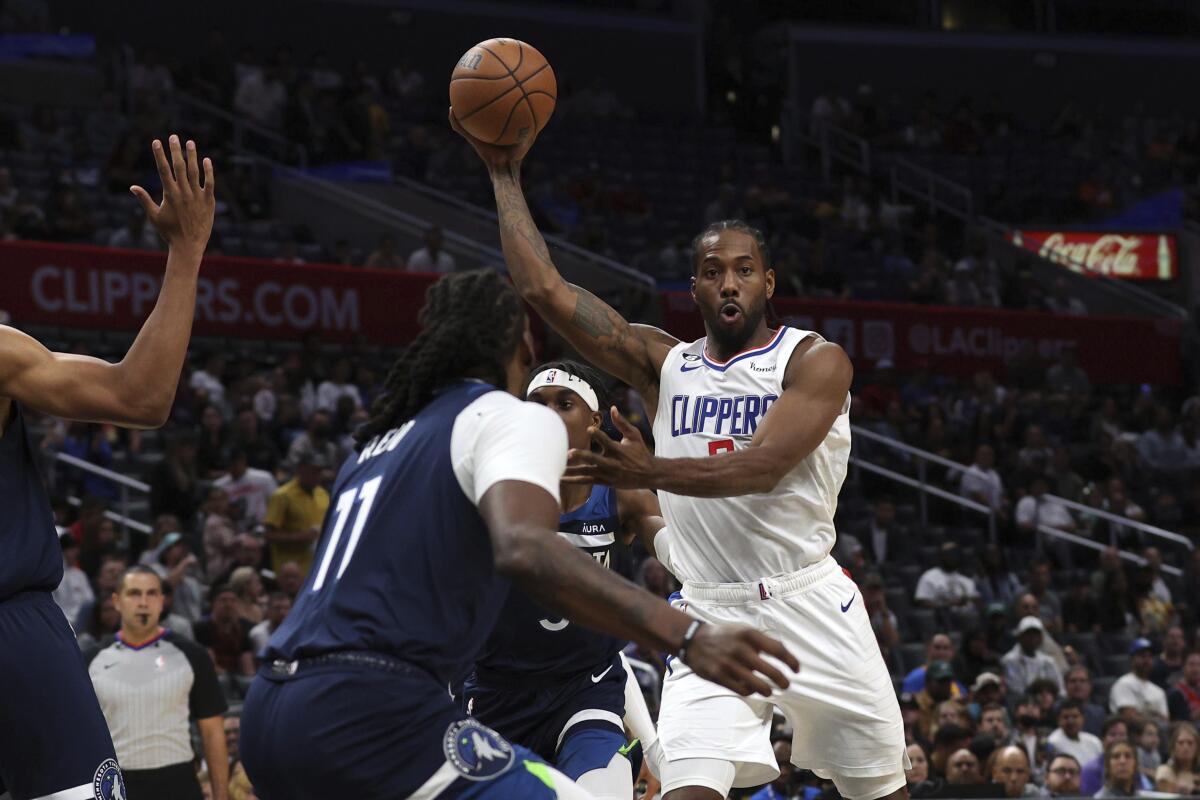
[{"x": 633, "y": 353}]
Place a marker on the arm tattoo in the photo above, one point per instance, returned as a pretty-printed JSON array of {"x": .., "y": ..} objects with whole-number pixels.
[
  {"x": 594, "y": 317},
  {"x": 515, "y": 218}
]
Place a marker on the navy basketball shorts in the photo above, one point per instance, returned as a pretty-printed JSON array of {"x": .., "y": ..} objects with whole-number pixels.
[
  {"x": 348, "y": 731},
  {"x": 54, "y": 740},
  {"x": 575, "y": 724}
]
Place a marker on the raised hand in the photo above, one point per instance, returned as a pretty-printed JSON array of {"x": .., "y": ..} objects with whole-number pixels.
[
  {"x": 494, "y": 155},
  {"x": 184, "y": 218},
  {"x": 731, "y": 655},
  {"x": 627, "y": 464}
]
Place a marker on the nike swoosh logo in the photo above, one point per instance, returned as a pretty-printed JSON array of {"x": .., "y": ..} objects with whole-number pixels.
[
  {"x": 848, "y": 603},
  {"x": 109, "y": 666},
  {"x": 686, "y": 368},
  {"x": 598, "y": 678}
]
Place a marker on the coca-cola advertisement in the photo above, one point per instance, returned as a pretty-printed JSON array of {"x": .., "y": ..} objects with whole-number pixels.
[{"x": 1136, "y": 256}]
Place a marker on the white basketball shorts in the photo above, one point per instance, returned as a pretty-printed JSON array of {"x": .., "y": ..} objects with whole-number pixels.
[{"x": 841, "y": 703}]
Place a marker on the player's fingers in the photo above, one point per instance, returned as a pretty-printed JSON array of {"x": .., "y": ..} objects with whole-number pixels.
[
  {"x": 601, "y": 437},
  {"x": 177, "y": 165},
  {"x": 210, "y": 185},
  {"x": 160, "y": 161},
  {"x": 746, "y": 683},
  {"x": 581, "y": 458},
  {"x": 148, "y": 204},
  {"x": 627, "y": 428},
  {"x": 772, "y": 647},
  {"x": 764, "y": 668},
  {"x": 193, "y": 166}
]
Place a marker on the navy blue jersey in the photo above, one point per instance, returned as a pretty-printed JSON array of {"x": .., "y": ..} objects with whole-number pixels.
[
  {"x": 528, "y": 639},
  {"x": 404, "y": 566},
  {"x": 30, "y": 556}
]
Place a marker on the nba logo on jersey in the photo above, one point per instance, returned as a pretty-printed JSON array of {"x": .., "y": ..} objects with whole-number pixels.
[
  {"x": 108, "y": 783},
  {"x": 476, "y": 751}
]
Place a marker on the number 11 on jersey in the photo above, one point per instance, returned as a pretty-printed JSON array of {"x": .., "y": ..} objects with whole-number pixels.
[{"x": 365, "y": 496}]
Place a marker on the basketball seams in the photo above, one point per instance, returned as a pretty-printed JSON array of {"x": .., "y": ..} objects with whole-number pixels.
[{"x": 517, "y": 84}]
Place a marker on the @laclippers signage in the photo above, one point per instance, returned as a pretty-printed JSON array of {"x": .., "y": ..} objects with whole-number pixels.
[{"x": 1129, "y": 256}]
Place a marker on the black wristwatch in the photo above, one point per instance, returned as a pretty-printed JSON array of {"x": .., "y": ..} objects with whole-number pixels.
[{"x": 687, "y": 640}]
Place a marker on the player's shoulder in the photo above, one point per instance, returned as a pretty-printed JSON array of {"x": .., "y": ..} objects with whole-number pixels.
[{"x": 502, "y": 408}]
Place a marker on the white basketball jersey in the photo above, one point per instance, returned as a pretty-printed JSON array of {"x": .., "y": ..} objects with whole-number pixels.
[{"x": 707, "y": 407}]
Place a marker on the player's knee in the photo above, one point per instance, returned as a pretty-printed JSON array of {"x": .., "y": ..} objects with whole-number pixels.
[{"x": 611, "y": 782}]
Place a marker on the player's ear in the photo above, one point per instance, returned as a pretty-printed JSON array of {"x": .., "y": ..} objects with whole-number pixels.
[
  {"x": 692, "y": 284},
  {"x": 770, "y": 283},
  {"x": 597, "y": 419}
]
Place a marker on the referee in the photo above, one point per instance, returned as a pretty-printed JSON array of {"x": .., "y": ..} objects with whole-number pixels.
[{"x": 150, "y": 682}]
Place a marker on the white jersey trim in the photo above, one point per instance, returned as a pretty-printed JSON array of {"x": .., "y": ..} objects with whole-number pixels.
[{"x": 84, "y": 791}]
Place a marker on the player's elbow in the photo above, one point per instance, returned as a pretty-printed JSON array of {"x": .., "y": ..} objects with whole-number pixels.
[{"x": 515, "y": 554}]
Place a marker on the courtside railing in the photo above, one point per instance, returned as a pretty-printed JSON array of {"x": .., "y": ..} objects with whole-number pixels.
[
  {"x": 124, "y": 519},
  {"x": 923, "y": 459}
]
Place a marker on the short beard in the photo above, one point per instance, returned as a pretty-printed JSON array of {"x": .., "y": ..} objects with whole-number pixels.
[{"x": 727, "y": 340}]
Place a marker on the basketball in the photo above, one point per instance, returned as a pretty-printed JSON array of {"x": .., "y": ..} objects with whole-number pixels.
[{"x": 502, "y": 91}]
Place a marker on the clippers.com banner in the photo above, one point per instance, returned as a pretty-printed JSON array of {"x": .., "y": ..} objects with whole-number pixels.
[
  {"x": 955, "y": 341},
  {"x": 88, "y": 287},
  {"x": 1129, "y": 256}
]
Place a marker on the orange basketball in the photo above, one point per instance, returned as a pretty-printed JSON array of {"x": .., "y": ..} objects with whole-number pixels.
[{"x": 502, "y": 91}]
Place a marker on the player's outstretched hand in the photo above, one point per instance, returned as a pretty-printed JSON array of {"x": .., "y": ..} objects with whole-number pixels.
[
  {"x": 184, "y": 218},
  {"x": 627, "y": 464},
  {"x": 494, "y": 155},
  {"x": 731, "y": 655}
]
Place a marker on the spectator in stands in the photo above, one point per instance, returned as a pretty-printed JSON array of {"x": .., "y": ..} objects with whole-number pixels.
[
  {"x": 1179, "y": 774},
  {"x": 248, "y": 436},
  {"x": 1066, "y": 483},
  {"x": 431, "y": 257},
  {"x": 174, "y": 482},
  {"x": 212, "y": 443},
  {"x": 1070, "y": 737},
  {"x": 883, "y": 540},
  {"x": 980, "y": 481},
  {"x": 944, "y": 587},
  {"x": 220, "y": 535},
  {"x": 1062, "y": 777},
  {"x": 962, "y": 769},
  {"x": 232, "y": 726},
  {"x": 1121, "y": 776},
  {"x": 180, "y": 568},
  {"x": 135, "y": 234},
  {"x": 976, "y": 659},
  {"x": 1134, "y": 689},
  {"x": 385, "y": 255},
  {"x": 1031, "y": 730},
  {"x": 1012, "y": 770},
  {"x": 1061, "y": 301},
  {"x": 227, "y": 637},
  {"x": 939, "y": 648},
  {"x": 69, "y": 221},
  {"x": 781, "y": 787},
  {"x": 279, "y": 605},
  {"x": 1169, "y": 663},
  {"x": 1110, "y": 587},
  {"x": 1091, "y": 777},
  {"x": 948, "y": 740},
  {"x": 1079, "y": 688},
  {"x": 1149, "y": 759},
  {"x": 74, "y": 592},
  {"x": 251, "y": 599},
  {"x": 339, "y": 385},
  {"x": 998, "y": 588},
  {"x": 210, "y": 379},
  {"x": 939, "y": 685},
  {"x": 1025, "y": 663},
  {"x": 249, "y": 489},
  {"x": 1066, "y": 376},
  {"x": 261, "y": 95},
  {"x": 993, "y": 722},
  {"x": 99, "y": 627},
  {"x": 1162, "y": 447},
  {"x": 918, "y": 770},
  {"x": 883, "y": 621},
  {"x": 247, "y": 553},
  {"x": 170, "y": 619},
  {"x": 1049, "y": 606},
  {"x": 316, "y": 441},
  {"x": 290, "y": 578},
  {"x": 1036, "y": 509},
  {"x": 295, "y": 513},
  {"x": 1183, "y": 699}
]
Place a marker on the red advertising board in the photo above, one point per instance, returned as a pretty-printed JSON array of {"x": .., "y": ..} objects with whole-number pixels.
[
  {"x": 1124, "y": 255},
  {"x": 954, "y": 341},
  {"x": 250, "y": 298}
]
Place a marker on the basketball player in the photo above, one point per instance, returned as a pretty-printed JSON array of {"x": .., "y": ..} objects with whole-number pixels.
[
  {"x": 54, "y": 742},
  {"x": 454, "y": 491},
  {"x": 753, "y": 438},
  {"x": 541, "y": 682}
]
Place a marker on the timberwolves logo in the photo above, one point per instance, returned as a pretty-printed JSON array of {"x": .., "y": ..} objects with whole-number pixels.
[
  {"x": 476, "y": 751},
  {"x": 108, "y": 783}
]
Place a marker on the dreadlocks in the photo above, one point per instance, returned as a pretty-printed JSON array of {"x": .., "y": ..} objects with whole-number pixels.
[
  {"x": 731, "y": 225},
  {"x": 470, "y": 323}
]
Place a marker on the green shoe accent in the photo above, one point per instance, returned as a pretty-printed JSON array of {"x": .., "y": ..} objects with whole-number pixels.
[
  {"x": 625, "y": 750},
  {"x": 542, "y": 772}
]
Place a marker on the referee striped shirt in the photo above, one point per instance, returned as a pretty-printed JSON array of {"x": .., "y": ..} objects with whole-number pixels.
[{"x": 148, "y": 694}]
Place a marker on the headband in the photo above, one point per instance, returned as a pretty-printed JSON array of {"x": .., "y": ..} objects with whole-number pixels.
[{"x": 560, "y": 377}]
